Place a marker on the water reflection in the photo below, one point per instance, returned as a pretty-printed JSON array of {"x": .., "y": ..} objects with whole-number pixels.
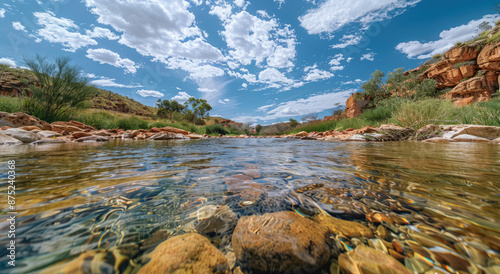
[{"x": 131, "y": 194}]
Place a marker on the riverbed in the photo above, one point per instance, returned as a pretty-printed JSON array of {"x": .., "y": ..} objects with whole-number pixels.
[{"x": 75, "y": 198}]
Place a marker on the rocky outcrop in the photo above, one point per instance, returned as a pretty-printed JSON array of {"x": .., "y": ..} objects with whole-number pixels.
[
  {"x": 368, "y": 260},
  {"x": 281, "y": 242},
  {"x": 477, "y": 89},
  {"x": 462, "y": 53},
  {"x": 15, "y": 85},
  {"x": 354, "y": 107},
  {"x": 21, "y": 135},
  {"x": 489, "y": 58},
  {"x": 20, "y": 119},
  {"x": 188, "y": 253}
]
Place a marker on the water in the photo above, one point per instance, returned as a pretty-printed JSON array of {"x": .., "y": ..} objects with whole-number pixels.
[{"x": 132, "y": 195}]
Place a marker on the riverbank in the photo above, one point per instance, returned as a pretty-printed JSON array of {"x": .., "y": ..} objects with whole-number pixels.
[{"x": 19, "y": 128}]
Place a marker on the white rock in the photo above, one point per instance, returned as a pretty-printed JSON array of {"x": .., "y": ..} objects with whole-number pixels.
[
  {"x": 22, "y": 135},
  {"x": 7, "y": 140}
]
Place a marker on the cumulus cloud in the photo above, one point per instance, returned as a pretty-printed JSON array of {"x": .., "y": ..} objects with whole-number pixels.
[
  {"x": 150, "y": 93},
  {"x": 253, "y": 39},
  {"x": 369, "y": 56},
  {"x": 163, "y": 30},
  {"x": 207, "y": 90},
  {"x": 8, "y": 61},
  {"x": 348, "y": 40},
  {"x": 244, "y": 85},
  {"x": 225, "y": 101},
  {"x": 99, "y": 32},
  {"x": 332, "y": 15},
  {"x": 317, "y": 74},
  {"x": 353, "y": 82},
  {"x": 105, "y": 56},
  {"x": 272, "y": 75},
  {"x": 18, "y": 26},
  {"x": 109, "y": 82},
  {"x": 181, "y": 97},
  {"x": 312, "y": 104},
  {"x": 448, "y": 38},
  {"x": 62, "y": 30},
  {"x": 2, "y": 13}
]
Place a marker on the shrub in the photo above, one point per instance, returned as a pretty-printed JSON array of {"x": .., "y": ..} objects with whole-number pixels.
[
  {"x": 427, "y": 88},
  {"x": 377, "y": 115},
  {"x": 417, "y": 114},
  {"x": 60, "y": 90},
  {"x": 10, "y": 104},
  {"x": 132, "y": 123},
  {"x": 216, "y": 130}
]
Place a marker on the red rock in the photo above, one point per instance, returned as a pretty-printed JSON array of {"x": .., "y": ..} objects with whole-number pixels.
[
  {"x": 354, "y": 107},
  {"x": 80, "y": 134},
  {"x": 368, "y": 129},
  {"x": 20, "y": 119},
  {"x": 489, "y": 57},
  {"x": 461, "y": 54},
  {"x": 479, "y": 88},
  {"x": 4, "y": 127},
  {"x": 30, "y": 128},
  {"x": 468, "y": 70},
  {"x": 444, "y": 74}
]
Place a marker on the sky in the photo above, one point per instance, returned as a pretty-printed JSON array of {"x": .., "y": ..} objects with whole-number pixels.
[{"x": 256, "y": 62}]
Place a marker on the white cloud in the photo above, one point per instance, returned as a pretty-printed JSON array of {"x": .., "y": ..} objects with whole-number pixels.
[
  {"x": 181, "y": 97},
  {"x": 197, "y": 70},
  {"x": 223, "y": 11},
  {"x": 354, "y": 82},
  {"x": 253, "y": 39},
  {"x": 89, "y": 75},
  {"x": 207, "y": 90},
  {"x": 239, "y": 3},
  {"x": 150, "y": 93},
  {"x": 349, "y": 59},
  {"x": 18, "y": 26},
  {"x": 163, "y": 30},
  {"x": 348, "y": 40},
  {"x": 272, "y": 75},
  {"x": 99, "y": 32},
  {"x": 337, "y": 59},
  {"x": 62, "y": 30},
  {"x": 280, "y": 2},
  {"x": 335, "y": 68},
  {"x": 317, "y": 74},
  {"x": 266, "y": 107},
  {"x": 8, "y": 61},
  {"x": 109, "y": 82},
  {"x": 332, "y": 15},
  {"x": 448, "y": 38},
  {"x": 244, "y": 85},
  {"x": 105, "y": 56},
  {"x": 225, "y": 101},
  {"x": 263, "y": 14},
  {"x": 312, "y": 104},
  {"x": 2, "y": 13},
  {"x": 369, "y": 56}
]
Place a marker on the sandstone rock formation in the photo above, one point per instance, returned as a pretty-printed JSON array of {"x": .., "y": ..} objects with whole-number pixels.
[
  {"x": 20, "y": 119},
  {"x": 354, "y": 107},
  {"x": 187, "y": 253}
]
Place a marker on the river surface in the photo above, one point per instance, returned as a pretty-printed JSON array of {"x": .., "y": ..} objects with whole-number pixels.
[{"x": 72, "y": 198}]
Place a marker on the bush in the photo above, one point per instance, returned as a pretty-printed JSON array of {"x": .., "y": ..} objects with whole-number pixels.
[
  {"x": 132, "y": 123},
  {"x": 99, "y": 120},
  {"x": 427, "y": 88},
  {"x": 417, "y": 114},
  {"x": 377, "y": 115},
  {"x": 216, "y": 130},
  {"x": 60, "y": 90},
  {"x": 10, "y": 104}
]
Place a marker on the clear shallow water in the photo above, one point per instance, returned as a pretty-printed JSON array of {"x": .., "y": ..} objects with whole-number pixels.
[{"x": 132, "y": 194}]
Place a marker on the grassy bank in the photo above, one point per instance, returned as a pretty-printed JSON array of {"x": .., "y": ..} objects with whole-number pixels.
[{"x": 415, "y": 114}]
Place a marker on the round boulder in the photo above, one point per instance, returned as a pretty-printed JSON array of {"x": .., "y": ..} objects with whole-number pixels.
[{"x": 281, "y": 242}]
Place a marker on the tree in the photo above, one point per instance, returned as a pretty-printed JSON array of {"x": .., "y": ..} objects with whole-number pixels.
[
  {"x": 167, "y": 108},
  {"x": 396, "y": 80},
  {"x": 258, "y": 128},
  {"x": 310, "y": 118},
  {"x": 199, "y": 108},
  {"x": 293, "y": 123},
  {"x": 61, "y": 89},
  {"x": 484, "y": 26},
  {"x": 373, "y": 87}
]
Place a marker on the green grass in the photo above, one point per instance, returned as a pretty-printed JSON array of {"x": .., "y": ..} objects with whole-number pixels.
[
  {"x": 10, "y": 104},
  {"x": 494, "y": 38},
  {"x": 316, "y": 126},
  {"x": 99, "y": 120}
]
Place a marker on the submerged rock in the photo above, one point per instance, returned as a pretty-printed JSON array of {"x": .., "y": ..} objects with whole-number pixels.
[
  {"x": 223, "y": 220},
  {"x": 347, "y": 228},
  {"x": 281, "y": 242},
  {"x": 93, "y": 138},
  {"x": 48, "y": 142},
  {"x": 187, "y": 253},
  {"x": 368, "y": 260}
]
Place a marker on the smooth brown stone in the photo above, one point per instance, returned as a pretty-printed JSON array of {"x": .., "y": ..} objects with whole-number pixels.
[
  {"x": 368, "y": 260},
  {"x": 347, "y": 228}
]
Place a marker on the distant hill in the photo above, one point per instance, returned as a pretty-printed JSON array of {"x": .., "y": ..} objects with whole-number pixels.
[{"x": 15, "y": 82}]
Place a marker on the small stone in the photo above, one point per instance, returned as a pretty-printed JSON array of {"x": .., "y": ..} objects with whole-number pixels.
[
  {"x": 368, "y": 260},
  {"x": 347, "y": 228},
  {"x": 187, "y": 253},
  {"x": 7, "y": 140},
  {"x": 222, "y": 220}
]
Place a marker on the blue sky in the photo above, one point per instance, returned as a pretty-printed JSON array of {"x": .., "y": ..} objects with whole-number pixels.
[{"x": 254, "y": 61}]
